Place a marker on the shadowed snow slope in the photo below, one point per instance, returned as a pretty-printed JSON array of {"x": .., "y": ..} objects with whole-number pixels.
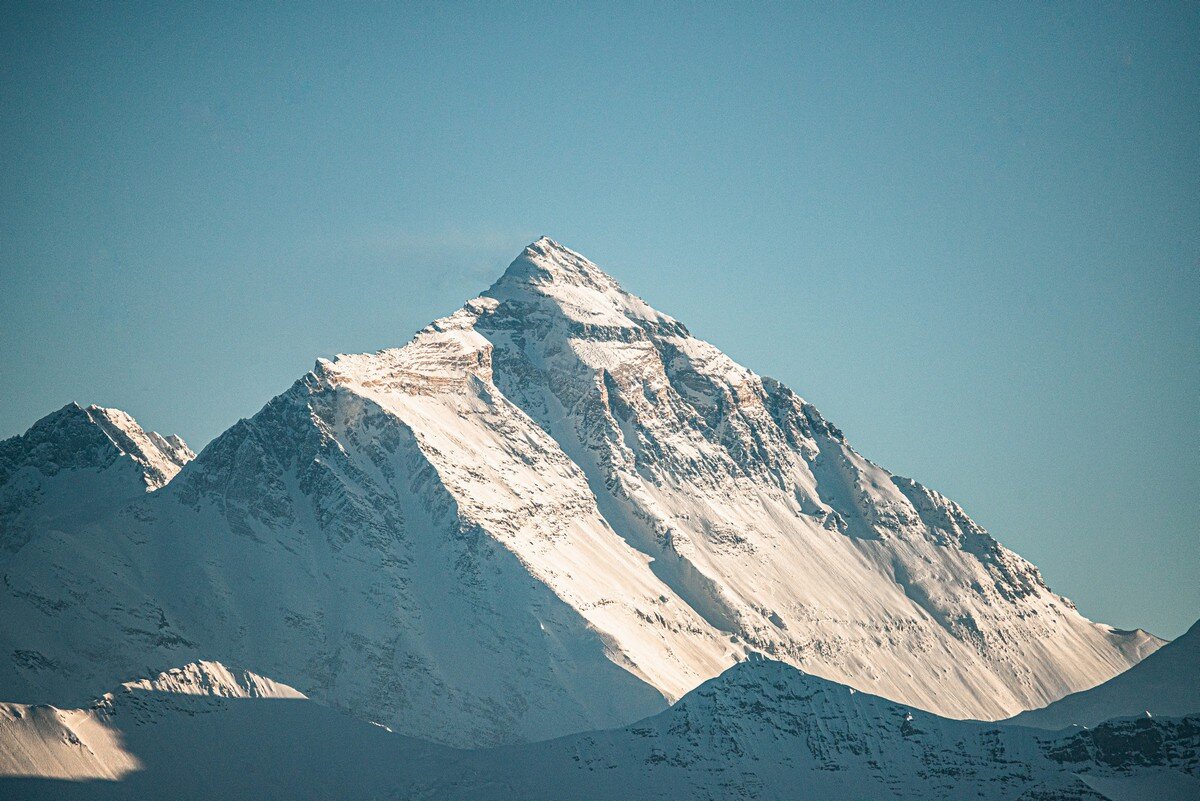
[
  {"x": 762, "y": 730},
  {"x": 1165, "y": 683},
  {"x": 203, "y": 730},
  {"x": 94, "y": 743},
  {"x": 551, "y": 511}
]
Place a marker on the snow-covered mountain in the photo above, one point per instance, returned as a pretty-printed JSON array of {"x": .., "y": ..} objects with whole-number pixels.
[
  {"x": 762, "y": 730},
  {"x": 206, "y": 731},
  {"x": 553, "y": 510},
  {"x": 73, "y": 461},
  {"x": 1167, "y": 683}
]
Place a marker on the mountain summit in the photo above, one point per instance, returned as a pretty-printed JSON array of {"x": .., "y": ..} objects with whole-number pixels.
[{"x": 552, "y": 510}]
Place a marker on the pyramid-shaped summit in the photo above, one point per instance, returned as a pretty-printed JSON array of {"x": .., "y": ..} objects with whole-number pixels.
[
  {"x": 580, "y": 290},
  {"x": 551, "y": 511},
  {"x": 546, "y": 261}
]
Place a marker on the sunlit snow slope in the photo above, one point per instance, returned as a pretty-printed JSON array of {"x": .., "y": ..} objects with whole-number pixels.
[
  {"x": 1165, "y": 683},
  {"x": 553, "y": 510},
  {"x": 101, "y": 741}
]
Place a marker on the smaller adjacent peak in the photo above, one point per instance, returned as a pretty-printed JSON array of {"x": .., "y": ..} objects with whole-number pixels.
[
  {"x": 69, "y": 412},
  {"x": 759, "y": 675},
  {"x": 767, "y": 694},
  {"x": 79, "y": 437}
]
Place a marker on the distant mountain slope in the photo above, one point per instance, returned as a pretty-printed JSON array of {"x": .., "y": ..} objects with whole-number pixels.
[
  {"x": 201, "y": 731},
  {"x": 762, "y": 730},
  {"x": 1167, "y": 683},
  {"x": 553, "y": 510}
]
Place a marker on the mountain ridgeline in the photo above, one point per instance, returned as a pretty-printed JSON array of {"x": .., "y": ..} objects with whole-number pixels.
[{"x": 554, "y": 510}]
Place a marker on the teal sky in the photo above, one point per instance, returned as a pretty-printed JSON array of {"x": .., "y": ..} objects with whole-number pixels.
[{"x": 970, "y": 233}]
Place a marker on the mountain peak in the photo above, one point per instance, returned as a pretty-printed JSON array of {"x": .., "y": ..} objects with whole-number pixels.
[
  {"x": 565, "y": 283},
  {"x": 759, "y": 674},
  {"x": 76, "y": 436},
  {"x": 561, "y": 483},
  {"x": 546, "y": 261},
  {"x": 544, "y": 242}
]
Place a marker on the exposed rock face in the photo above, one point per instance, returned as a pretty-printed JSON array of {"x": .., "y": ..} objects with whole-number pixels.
[{"x": 551, "y": 511}]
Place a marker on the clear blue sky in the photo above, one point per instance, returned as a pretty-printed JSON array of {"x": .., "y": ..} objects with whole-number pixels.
[{"x": 969, "y": 233}]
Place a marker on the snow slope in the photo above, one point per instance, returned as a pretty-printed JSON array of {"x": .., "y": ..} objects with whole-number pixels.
[
  {"x": 1167, "y": 683},
  {"x": 552, "y": 511},
  {"x": 762, "y": 730},
  {"x": 317, "y": 540},
  {"x": 95, "y": 743}
]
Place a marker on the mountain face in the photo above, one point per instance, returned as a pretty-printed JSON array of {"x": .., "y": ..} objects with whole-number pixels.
[
  {"x": 551, "y": 511},
  {"x": 1167, "y": 683},
  {"x": 74, "y": 460},
  {"x": 759, "y": 731}
]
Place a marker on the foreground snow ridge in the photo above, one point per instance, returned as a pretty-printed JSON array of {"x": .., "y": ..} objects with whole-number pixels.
[
  {"x": 97, "y": 743},
  {"x": 554, "y": 510},
  {"x": 761, "y": 730}
]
